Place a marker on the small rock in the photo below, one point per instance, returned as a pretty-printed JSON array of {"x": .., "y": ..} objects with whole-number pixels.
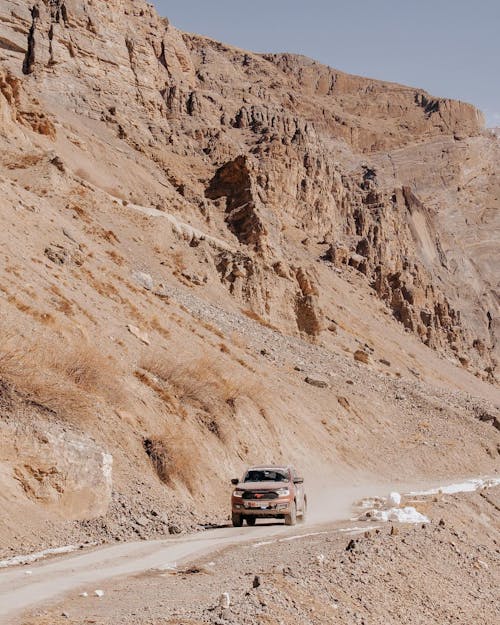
[
  {"x": 256, "y": 581},
  {"x": 99, "y": 593},
  {"x": 83, "y": 594},
  {"x": 320, "y": 559},
  {"x": 385, "y": 362},
  {"x": 67, "y": 233},
  {"x": 441, "y": 523},
  {"x": 224, "y": 600},
  {"x": 57, "y": 253},
  {"x": 194, "y": 278},
  {"x": 144, "y": 279},
  {"x": 174, "y": 529},
  {"x": 316, "y": 382},
  {"x": 142, "y": 336},
  {"x": 58, "y": 163},
  {"x": 394, "y": 530},
  {"x": 351, "y": 545}
]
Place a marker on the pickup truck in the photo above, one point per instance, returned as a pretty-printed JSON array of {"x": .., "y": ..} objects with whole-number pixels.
[{"x": 268, "y": 492}]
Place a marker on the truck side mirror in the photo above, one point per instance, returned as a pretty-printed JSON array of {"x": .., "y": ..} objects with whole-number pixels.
[
  {"x": 298, "y": 480},
  {"x": 235, "y": 481}
]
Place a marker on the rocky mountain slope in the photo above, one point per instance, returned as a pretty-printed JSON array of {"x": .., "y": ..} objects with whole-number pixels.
[{"x": 189, "y": 231}]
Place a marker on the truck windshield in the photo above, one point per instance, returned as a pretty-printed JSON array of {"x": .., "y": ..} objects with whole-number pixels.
[{"x": 264, "y": 475}]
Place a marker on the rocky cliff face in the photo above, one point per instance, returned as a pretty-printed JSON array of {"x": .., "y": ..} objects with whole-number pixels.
[
  {"x": 258, "y": 144},
  {"x": 278, "y": 176}
]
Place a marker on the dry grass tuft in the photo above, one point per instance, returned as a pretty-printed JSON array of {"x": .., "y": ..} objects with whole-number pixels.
[
  {"x": 179, "y": 260},
  {"x": 172, "y": 459},
  {"x": 69, "y": 381},
  {"x": 251, "y": 314},
  {"x": 192, "y": 381},
  {"x": 158, "y": 453},
  {"x": 201, "y": 380}
]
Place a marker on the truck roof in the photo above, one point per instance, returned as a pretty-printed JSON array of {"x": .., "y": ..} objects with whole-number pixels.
[{"x": 269, "y": 467}]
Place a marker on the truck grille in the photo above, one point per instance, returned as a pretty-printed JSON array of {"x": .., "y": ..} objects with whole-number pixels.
[{"x": 260, "y": 494}]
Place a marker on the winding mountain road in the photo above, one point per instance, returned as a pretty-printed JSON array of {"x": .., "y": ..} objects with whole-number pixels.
[
  {"x": 24, "y": 587},
  {"x": 54, "y": 578}
]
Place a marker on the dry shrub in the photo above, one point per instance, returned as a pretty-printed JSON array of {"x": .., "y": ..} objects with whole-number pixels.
[
  {"x": 251, "y": 314},
  {"x": 115, "y": 257},
  {"x": 201, "y": 380},
  {"x": 114, "y": 191},
  {"x": 179, "y": 260},
  {"x": 158, "y": 453},
  {"x": 172, "y": 458},
  {"x": 210, "y": 327},
  {"x": 192, "y": 380},
  {"x": 67, "y": 380},
  {"x": 90, "y": 370},
  {"x": 156, "y": 325}
]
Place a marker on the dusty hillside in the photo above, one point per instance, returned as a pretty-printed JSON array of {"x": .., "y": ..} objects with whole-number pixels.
[{"x": 189, "y": 232}]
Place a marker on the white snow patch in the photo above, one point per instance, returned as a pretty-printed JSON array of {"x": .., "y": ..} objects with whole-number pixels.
[
  {"x": 401, "y": 515},
  {"x": 283, "y": 540},
  {"x": 357, "y": 530},
  {"x": 394, "y": 499},
  {"x": 350, "y": 530},
  {"x": 263, "y": 543},
  {"x": 170, "y": 566},
  {"x": 468, "y": 486},
  {"x": 40, "y": 555}
]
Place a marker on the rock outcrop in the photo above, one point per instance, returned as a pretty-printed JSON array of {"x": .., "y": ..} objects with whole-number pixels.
[{"x": 284, "y": 142}]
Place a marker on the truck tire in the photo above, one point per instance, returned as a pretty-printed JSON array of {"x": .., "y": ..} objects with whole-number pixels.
[
  {"x": 303, "y": 516},
  {"x": 291, "y": 519},
  {"x": 237, "y": 520},
  {"x": 251, "y": 520}
]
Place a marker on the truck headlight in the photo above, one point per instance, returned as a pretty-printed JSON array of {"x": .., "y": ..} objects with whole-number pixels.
[
  {"x": 283, "y": 492},
  {"x": 238, "y": 493}
]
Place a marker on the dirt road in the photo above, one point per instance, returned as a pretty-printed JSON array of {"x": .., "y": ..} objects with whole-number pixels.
[
  {"x": 49, "y": 580},
  {"x": 45, "y": 582}
]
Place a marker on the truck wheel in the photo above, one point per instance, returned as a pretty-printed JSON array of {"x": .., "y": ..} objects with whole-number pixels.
[
  {"x": 303, "y": 516},
  {"x": 251, "y": 520},
  {"x": 237, "y": 520},
  {"x": 291, "y": 519}
]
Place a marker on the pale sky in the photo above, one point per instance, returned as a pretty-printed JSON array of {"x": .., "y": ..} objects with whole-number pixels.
[{"x": 451, "y": 48}]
